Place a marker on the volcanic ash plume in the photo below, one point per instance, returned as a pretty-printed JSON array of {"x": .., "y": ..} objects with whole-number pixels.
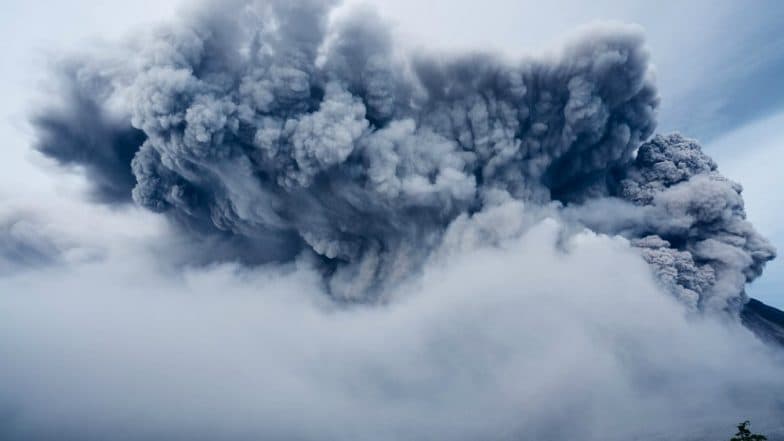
[{"x": 284, "y": 133}]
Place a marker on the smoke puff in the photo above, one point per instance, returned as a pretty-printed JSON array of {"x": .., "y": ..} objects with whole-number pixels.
[
  {"x": 80, "y": 131},
  {"x": 695, "y": 220},
  {"x": 295, "y": 134}
]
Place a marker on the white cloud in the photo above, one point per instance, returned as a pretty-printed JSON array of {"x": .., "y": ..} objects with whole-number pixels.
[{"x": 544, "y": 335}]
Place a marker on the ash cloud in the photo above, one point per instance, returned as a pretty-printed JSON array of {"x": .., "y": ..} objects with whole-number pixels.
[
  {"x": 371, "y": 244},
  {"x": 698, "y": 212},
  {"x": 276, "y": 130},
  {"x": 272, "y": 123},
  {"x": 688, "y": 221}
]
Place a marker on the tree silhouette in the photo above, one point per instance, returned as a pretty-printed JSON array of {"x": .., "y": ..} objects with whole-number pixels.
[{"x": 744, "y": 434}]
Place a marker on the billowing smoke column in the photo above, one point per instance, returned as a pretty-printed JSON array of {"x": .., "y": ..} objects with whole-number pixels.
[{"x": 285, "y": 132}]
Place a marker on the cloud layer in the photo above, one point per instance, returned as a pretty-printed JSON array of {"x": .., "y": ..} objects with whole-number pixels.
[{"x": 545, "y": 334}]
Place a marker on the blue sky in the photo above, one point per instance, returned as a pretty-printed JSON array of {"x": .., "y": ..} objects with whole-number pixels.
[{"x": 719, "y": 68}]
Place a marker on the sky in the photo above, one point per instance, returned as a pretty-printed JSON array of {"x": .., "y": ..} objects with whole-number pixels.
[
  {"x": 718, "y": 65},
  {"x": 523, "y": 316}
]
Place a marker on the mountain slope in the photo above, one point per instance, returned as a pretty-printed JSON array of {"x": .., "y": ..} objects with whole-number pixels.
[{"x": 765, "y": 321}]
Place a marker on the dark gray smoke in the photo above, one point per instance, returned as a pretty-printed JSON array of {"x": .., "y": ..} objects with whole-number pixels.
[
  {"x": 80, "y": 131},
  {"x": 698, "y": 238},
  {"x": 687, "y": 219},
  {"x": 283, "y": 132}
]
